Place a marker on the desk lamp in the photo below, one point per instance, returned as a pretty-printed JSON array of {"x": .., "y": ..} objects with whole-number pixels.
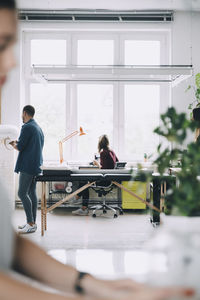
[{"x": 80, "y": 132}]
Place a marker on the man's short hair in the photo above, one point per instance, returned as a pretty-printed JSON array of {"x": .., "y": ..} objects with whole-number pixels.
[
  {"x": 30, "y": 110},
  {"x": 10, "y": 4}
]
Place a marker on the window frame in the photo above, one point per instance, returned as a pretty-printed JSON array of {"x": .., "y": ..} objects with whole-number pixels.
[
  {"x": 74, "y": 142},
  {"x": 164, "y": 93},
  {"x": 119, "y": 38},
  {"x": 94, "y": 36},
  {"x": 148, "y": 36}
]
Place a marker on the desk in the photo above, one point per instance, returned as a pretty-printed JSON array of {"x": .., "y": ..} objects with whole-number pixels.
[{"x": 91, "y": 177}]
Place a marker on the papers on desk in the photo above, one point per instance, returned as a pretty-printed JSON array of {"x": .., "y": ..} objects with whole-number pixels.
[
  {"x": 88, "y": 168},
  {"x": 55, "y": 167}
]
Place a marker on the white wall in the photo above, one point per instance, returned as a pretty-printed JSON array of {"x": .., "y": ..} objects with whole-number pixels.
[
  {"x": 11, "y": 95},
  {"x": 11, "y": 100},
  {"x": 110, "y": 4},
  {"x": 185, "y": 50}
]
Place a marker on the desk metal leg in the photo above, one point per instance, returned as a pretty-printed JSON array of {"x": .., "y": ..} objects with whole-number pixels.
[
  {"x": 163, "y": 195},
  {"x": 156, "y": 200},
  {"x": 45, "y": 208},
  {"x": 42, "y": 209}
]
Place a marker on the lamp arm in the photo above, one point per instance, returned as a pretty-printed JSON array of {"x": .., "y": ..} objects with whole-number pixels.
[
  {"x": 65, "y": 139},
  {"x": 61, "y": 152},
  {"x": 69, "y": 136}
]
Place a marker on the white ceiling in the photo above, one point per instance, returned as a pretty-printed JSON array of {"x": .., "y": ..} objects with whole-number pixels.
[{"x": 111, "y": 4}]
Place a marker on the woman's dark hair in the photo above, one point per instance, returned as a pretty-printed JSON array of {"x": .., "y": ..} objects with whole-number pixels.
[
  {"x": 10, "y": 4},
  {"x": 103, "y": 143}
]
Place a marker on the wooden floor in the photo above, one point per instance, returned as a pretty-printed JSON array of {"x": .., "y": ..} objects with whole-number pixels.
[
  {"x": 86, "y": 242},
  {"x": 66, "y": 231}
]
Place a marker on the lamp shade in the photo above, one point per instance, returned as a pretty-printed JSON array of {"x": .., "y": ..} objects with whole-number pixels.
[{"x": 81, "y": 132}]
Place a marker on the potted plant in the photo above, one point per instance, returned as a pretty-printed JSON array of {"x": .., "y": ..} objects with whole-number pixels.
[
  {"x": 184, "y": 197},
  {"x": 195, "y": 104},
  {"x": 179, "y": 235}
]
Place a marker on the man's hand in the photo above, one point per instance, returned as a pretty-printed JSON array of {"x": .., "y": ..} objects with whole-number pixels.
[
  {"x": 14, "y": 144},
  {"x": 147, "y": 293},
  {"x": 130, "y": 290}
]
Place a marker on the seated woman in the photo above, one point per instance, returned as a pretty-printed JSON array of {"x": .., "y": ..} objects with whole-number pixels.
[
  {"x": 108, "y": 157},
  {"x": 108, "y": 160}
]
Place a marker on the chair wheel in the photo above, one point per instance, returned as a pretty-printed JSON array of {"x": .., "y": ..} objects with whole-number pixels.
[
  {"x": 115, "y": 215},
  {"x": 104, "y": 211},
  {"x": 94, "y": 215}
]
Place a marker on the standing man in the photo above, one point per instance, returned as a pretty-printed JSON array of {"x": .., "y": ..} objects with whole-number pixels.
[{"x": 30, "y": 146}]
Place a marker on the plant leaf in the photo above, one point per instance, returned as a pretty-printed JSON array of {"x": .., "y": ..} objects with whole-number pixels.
[
  {"x": 188, "y": 88},
  {"x": 197, "y": 80}
]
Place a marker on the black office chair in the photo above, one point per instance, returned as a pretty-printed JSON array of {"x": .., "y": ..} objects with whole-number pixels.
[{"x": 102, "y": 189}]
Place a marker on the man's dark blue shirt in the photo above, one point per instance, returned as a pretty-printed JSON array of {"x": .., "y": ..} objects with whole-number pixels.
[{"x": 30, "y": 146}]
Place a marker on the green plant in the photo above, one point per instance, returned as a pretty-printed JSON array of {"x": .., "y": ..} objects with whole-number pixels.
[
  {"x": 196, "y": 89},
  {"x": 184, "y": 197}
]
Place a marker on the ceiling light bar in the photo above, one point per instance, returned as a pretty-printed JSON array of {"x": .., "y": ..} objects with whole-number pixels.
[{"x": 120, "y": 73}]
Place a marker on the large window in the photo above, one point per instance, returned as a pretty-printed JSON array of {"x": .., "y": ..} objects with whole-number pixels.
[
  {"x": 50, "y": 104},
  {"x": 95, "y": 52},
  {"x": 95, "y": 114},
  {"x": 142, "y": 52},
  {"x": 126, "y": 111},
  {"x": 142, "y": 111},
  {"x": 48, "y": 52}
]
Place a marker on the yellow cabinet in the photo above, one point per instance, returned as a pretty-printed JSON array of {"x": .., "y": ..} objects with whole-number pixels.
[{"x": 138, "y": 188}]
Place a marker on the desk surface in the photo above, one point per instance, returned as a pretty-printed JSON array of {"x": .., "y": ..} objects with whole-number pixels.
[{"x": 62, "y": 173}]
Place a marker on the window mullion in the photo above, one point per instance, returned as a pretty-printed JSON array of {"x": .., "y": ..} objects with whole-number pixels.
[{"x": 121, "y": 118}]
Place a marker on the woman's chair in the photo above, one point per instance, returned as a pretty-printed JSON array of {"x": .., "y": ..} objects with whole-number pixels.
[{"x": 102, "y": 189}]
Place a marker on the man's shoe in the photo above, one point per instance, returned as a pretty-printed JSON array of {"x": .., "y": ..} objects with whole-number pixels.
[
  {"x": 22, "y": 226},
  {"x": 81, "y": 212},
  {"x": 27, "y": 229}
]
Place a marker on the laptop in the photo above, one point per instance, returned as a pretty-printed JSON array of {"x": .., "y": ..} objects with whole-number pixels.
[{"x": 120, "y": 165}]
